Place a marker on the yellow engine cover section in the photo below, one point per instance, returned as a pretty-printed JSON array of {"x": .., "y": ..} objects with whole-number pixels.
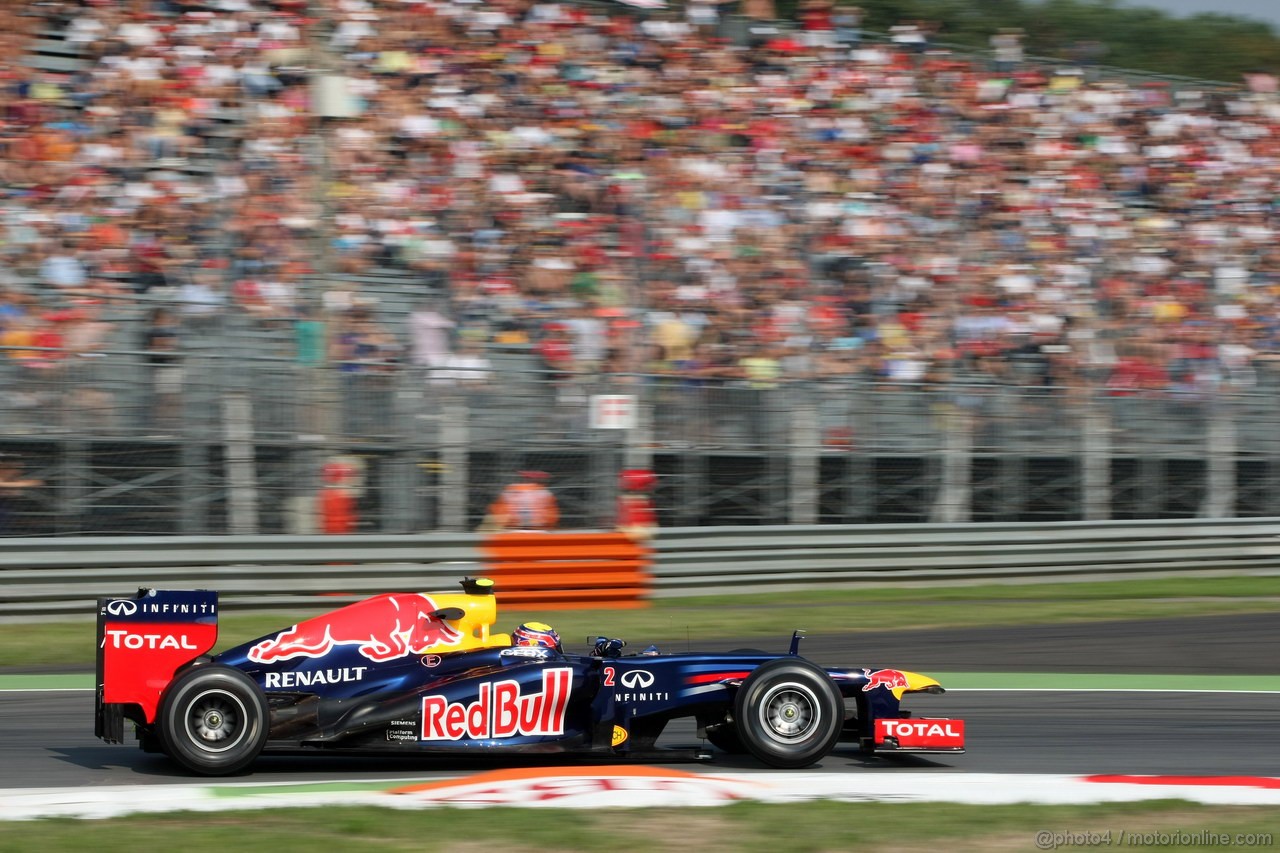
[{"x": 481, "y": 612}]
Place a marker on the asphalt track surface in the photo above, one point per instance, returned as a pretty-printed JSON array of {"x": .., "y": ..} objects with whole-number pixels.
[{"x": 47, "y": 739}]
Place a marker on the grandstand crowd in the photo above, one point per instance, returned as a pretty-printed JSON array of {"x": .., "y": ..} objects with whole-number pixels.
[{"x": 630, "y": 192}]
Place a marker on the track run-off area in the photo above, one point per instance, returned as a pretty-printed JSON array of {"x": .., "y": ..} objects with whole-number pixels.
[{"x": 1196, "y": 721}]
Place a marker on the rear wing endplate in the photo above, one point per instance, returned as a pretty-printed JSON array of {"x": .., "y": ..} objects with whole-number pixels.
[{"x": 142, "y": 642}]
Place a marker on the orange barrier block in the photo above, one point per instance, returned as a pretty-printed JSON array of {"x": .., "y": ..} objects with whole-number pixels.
[{"x": 568, "y": 570}]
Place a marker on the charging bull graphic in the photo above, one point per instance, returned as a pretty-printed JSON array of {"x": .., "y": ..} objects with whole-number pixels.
[
  {"x": 385, "y": 627},
  {"x": 889, "y": 678}
]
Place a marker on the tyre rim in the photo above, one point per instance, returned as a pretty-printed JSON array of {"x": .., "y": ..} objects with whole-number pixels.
[
  {"x": 789, "y": 713},
  {"x": 215, "y": 720}
]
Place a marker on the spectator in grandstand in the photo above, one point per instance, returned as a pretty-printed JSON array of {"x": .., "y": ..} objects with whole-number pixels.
[
  {"x": 429, "y": 332},
  {"x": 847, "y": 20},
  {"x": 202, "y": 299},
  {"x": 555, "y": 350},
  {"x": 524, "y": 157},
  {"x": 88, "y": 398},
  {"x": 161, "y": 341},
  {"x": 14, "y": 484},
  {"x": 62, "y": 267},
  {"x": 1006, "y": 49},
  {"x": 309, "y": 337},
  {"x": 366, "y": 357},
  {"x": 468, "y": 368}
]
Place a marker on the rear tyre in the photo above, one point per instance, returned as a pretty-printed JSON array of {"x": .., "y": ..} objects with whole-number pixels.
[
  {"x": 789, "y": 713},
  {"x": 149, "y": 741},
  {"x": 213, "y": 720}
]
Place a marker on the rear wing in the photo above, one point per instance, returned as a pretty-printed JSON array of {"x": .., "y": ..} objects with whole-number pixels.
[{"x": 142, "y": 642}]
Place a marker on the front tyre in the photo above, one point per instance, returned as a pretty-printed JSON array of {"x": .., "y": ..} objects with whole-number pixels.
[
  {"x": 789, "y": 713},
  {"x": 725, "y": 738},
  {"x": 724, "y": 734},
  {"x": 213, "y": 720}
]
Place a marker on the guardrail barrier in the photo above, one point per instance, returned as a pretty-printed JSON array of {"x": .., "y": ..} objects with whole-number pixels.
[{"x": 44, "y": 578}]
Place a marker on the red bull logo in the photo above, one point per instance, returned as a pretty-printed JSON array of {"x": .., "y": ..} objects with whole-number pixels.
[
  {"x": 887, "y": 678},
  {"x": 385, "y": 627},
  {"x": 501, "y": 710}
]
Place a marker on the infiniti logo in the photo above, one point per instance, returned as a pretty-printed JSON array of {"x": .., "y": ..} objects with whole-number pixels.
[
  {"x": 637, "y": 679},
  {"x": 122, "y": 607}
]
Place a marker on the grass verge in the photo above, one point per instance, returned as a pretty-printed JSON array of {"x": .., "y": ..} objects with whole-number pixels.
[
  {"x": 737, "y": 828},
  {"x": 775, "y": 615}
]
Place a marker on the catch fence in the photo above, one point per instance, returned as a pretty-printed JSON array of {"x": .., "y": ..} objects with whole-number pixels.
[{"x": 215, "y": 442}]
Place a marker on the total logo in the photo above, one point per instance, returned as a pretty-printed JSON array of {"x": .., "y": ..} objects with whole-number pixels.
[
  {"x": 919, "y": 728},
  {"x": 501, "y": 710},
  {"x": 922, "y": 734},
  {"x": 118, "y": 639}
]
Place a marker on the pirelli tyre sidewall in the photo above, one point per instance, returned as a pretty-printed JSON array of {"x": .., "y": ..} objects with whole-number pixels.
[
  {"x": 213, "y": 720},
  {"x": 789, "y": 713}
]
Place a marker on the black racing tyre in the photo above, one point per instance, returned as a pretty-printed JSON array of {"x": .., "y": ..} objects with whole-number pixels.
[
  {"x": 149, "y": 741},
  {"x": 213, "y": 720},
  {"x": 725, "y": 738},
  {"x": 789, "y": 713}
]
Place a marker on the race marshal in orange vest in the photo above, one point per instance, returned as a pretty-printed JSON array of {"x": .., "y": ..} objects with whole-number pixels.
[{"x": 526, "y": 504}]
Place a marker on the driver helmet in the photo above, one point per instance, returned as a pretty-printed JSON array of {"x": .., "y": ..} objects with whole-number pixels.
[{"x": 537, "y": 634}]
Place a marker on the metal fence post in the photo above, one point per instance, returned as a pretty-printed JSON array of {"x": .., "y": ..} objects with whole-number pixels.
[
  {"x": 242, "y": 486},
  {"x": 455, "y": 472},
  {"x": 402, "y": 507},
  {"x": 804, "y": 460},
  {"x": 1095, "y": 462},
  {"x": 1220, "y": 460},
  {"x": 638, "y": 450},
  {"x": 955, "y": 492},
  {"x": 76, "y": 463},
  {"x": 193, "y": 514}
]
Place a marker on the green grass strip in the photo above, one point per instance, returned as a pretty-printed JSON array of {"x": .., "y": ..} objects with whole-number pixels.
[
  {"x": 47, "y": 682},
  {"x": 233, "y": 791},
  {"x": 766, "y": 620}
]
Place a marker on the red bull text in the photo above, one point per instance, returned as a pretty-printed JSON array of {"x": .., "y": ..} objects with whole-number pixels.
[
  {"x": 386, "y": 627},
  {"x": 500, "y": 711}
]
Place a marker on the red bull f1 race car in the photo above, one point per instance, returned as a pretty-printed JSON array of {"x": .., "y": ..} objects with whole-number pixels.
[{"x": 424, "y": 673}]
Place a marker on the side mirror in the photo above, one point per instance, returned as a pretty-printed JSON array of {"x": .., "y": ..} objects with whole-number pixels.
[{"x": 449, "y": 614}]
